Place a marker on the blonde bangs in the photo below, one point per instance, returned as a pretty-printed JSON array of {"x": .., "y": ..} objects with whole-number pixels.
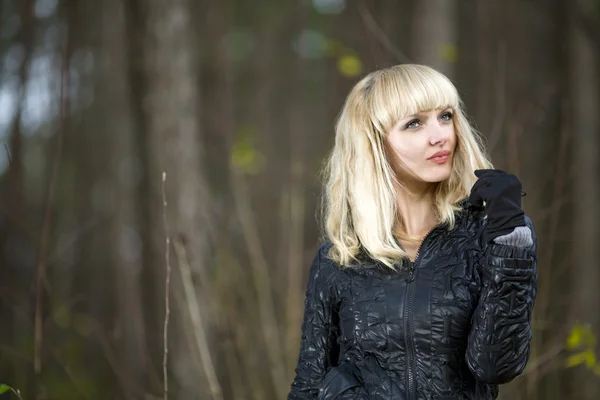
[
  {"x": 359, "y": 206},
  {"x": 405, "y": 90}
]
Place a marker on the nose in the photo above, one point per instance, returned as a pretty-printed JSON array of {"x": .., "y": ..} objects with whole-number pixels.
[{"x": 439, "y": 135}]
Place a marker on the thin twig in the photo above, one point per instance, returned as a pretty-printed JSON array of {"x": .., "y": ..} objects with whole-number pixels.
[
  {"x": 8, "y": 154},
  {"x": 15, "y": 391},
  {"x": 380, "y": 34},
  {"x": 585, "y": 21},
  {"x": 262, "y": 283},
  {"x": 547, "y": 357},
  {"x": 560, "y": 179},
  {"x": 72, "y": 376},
  {"x": 549, "y": 276},
  {"x": 196, "y": 319},
  {"x": 110, "y": 355},
  {"x": 500, "y": 115},
  {"x": 167, "y": 285},
  {"x": 239, "y": 323}
]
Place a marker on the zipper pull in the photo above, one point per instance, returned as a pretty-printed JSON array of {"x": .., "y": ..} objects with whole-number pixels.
[{"x": 411, "y": 272}]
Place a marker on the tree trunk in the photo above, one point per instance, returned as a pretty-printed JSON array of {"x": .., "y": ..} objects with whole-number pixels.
[
  {"x": 16, "y": 273},
  {"x": 174, "y": 146},
  {"x": 586, "y": 125},
  {"x": 123, "y": 170},
  {"x": 435, "y": 34}
]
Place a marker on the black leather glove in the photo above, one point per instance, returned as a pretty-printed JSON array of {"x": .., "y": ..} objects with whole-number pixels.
[{"x": 502, "y": 195}]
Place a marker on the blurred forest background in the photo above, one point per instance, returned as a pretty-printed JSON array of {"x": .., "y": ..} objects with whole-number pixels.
[{"x": 236, "y": 101}]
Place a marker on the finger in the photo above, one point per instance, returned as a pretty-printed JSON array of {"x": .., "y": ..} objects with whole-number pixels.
[
  {"x": 482, "y": 183},
  {"x": 476, "y": 199},
  {"x": 482, "y": 172}
]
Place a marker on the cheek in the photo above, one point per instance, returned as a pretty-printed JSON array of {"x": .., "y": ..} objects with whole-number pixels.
[
  {"x": 452, "y": 138},
  {"x": 404, "y": 149}
]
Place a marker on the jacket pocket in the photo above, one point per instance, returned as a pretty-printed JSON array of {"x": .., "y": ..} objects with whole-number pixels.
[{"x": 338, "y": 381}]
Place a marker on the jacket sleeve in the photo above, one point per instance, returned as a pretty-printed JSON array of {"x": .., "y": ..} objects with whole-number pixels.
[
  {"x": 499, "y": 339},
  {"x": 318, "y": 348}
]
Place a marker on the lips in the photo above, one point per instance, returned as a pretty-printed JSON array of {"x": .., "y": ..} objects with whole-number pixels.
[{"x": 440, "y": 157}]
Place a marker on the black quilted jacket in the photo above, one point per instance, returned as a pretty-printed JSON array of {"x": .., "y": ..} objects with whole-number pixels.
[{"x": 452, "y": 325}]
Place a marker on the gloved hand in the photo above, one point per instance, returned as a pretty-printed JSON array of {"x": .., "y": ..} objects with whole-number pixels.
[{"x": 501, "y": 192}]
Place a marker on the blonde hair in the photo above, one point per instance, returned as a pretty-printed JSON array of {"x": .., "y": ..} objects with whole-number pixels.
[{"x": 359, "y": 204}]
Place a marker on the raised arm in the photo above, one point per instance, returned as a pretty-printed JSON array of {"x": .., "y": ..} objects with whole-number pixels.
[{"x": 499, "y": 340}]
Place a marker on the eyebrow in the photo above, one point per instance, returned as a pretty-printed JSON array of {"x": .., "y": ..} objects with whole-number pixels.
[{"x": 420, "y": 113}]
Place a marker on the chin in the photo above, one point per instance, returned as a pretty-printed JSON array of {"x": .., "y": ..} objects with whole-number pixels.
[{"x": 436, "y": 176}]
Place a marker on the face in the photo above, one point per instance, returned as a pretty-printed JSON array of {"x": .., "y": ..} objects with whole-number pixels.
[{"x": 424, "y": 145}]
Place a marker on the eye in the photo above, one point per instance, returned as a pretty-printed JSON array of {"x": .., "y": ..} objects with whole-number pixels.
[
  {"x": 412, "y": 124},
  {"x": 447, "y": 116}
]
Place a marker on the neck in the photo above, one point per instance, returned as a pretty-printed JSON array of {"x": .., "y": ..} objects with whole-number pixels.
[{"x": 415, "y": 205}]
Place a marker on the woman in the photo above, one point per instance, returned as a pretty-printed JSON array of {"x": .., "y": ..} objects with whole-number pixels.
[{"x": 425, "y": 286}]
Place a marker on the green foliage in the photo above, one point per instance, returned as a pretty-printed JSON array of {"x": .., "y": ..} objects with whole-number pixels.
[
  {"x": 5, "y": 389},
  {"x": 582, "y": 342}
]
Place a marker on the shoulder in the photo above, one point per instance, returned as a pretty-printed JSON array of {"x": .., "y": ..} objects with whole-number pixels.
[
  {"x": 323, "y": 267},
  {"x": 361, "y": 261},
  {"x": 341, "y": 275},
  {"x": 327, "y": 264},
  {"x": 326, "y": 275}
]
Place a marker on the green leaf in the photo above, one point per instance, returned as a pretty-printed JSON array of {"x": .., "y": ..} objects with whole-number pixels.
[
  {"x": 575, "y": 338},
  {"x": 590, "y": 359},
  {"x": 5, "y": 388},
  {"x": 576, "y": 359}
]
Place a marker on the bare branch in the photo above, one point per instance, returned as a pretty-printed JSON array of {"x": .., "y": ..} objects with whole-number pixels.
[
  {"x": 588, "y": 25},
  {"x": 381, "y": 36},
  {"x": 8, "y": 154},
  {"x": 167, "y": 285},
  {"x": 500, "y": 114},
  {"x": 262, "y": 283},
  {"x": 196, "y": 318}
]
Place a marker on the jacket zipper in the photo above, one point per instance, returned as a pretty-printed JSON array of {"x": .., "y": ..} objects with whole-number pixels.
[
  {"x": 409, "y": 336},
  {"x": 408, "y": 332}
]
